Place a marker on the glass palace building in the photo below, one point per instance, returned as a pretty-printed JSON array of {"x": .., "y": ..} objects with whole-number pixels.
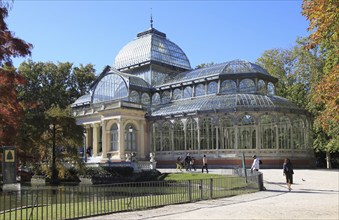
[{"x": 152, "y": 101}]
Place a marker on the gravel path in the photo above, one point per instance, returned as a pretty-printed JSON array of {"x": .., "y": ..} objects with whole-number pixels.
[{"x": 314, "y": 195}]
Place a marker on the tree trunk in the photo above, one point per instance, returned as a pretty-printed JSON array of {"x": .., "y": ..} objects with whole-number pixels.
[{"x": 328, "y": 160}]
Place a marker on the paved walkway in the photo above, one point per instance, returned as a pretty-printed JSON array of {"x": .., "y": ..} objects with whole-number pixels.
[{"x": 315, "y": 195}]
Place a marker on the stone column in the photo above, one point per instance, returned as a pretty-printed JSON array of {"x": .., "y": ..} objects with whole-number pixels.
[
  {"x": 104, "y": 139},
  {"x": 121, "y": 139},
  {"x": 141, "y": 139},
  {"x": 95, "y": 138}
]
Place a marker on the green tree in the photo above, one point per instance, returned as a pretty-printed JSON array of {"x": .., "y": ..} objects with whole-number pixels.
[
  {"x": 51, "y": 89},
  {"x": 298, "y": 69}
]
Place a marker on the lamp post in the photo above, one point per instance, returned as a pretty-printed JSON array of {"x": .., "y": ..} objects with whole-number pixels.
[{"x": 54, "y": 177}]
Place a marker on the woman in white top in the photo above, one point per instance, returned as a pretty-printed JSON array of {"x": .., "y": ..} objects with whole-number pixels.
[{"x": 255, "y": 164}]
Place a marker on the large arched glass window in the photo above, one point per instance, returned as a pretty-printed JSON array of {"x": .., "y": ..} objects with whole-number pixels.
[
  {"x": 178, "y": 135},
  {"x": 166, "y": 97},
  {"x": 145, "y": 99},
  {"x": 166, "y": 137},
  {"x": 228, "y": 86},
  {"x": 270, "y": 89},
  {"x": 267, "y": 132},
  {"x": 130, "y": 138},
  {"x": 212, "y": 88},
  {"x": 156, "y": 99},
  {"x": 226, "y": 131},
  {"x": 298, "y": 134},
  {"x": 200, "y": 90},
  {"x": 207, "y": 134},
  {"x": 192, "y": 134},
  {"x": 284, "y": 132},
  {"x": 262, "y": 87},
  {"x": 134, "y": 96},
  {"x": 110, "y": 87},
  {"x": 114, "y": 134},
  {"x": 156, "y": 137},
  {"x": 247, "y": 86},
  {"x": 188, "y": 92},
  {"x": 177, "y": 94},
  {"x": 246, "y": 130}
]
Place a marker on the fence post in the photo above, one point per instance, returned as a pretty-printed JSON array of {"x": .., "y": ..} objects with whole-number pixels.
[
  {"x": 201, "y": 189},
  {"x": 261, "y": 181},
  {"x": 211, "y": 188},
  {"x": 190, "y": 190}
]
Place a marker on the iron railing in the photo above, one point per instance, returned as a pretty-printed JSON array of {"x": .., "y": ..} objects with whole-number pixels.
[{"x": 73, "y": 202}]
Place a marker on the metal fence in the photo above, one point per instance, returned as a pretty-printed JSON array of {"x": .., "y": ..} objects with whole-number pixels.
[{"x": 73, "y": 202}]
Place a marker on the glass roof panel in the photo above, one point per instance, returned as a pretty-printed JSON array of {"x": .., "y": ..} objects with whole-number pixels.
[{"x": 149, "y": 47}]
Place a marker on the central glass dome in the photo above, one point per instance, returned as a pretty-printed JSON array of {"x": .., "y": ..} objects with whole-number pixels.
[{"x": 151, "y": 46}]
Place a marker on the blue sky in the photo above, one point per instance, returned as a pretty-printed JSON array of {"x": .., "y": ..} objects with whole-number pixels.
[{"x": 93, "y": 32}]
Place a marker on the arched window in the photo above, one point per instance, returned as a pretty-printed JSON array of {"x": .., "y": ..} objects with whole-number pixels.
[
  {"x": 270, "y": 88},
  {"x": 200, "y": 90},
  {"x": 166, "y": 137},
  {"x": 247, "y": 86},
  {"x": 226, "y": 131},
  {"x": 130, "y": 138},
  {"x": 267, "y": 132},
  {"x": 212, "y": 88},
  {"x": 245, "y": 131},
  {"x": 134, "y": 96},
  {"x": 188, "y": 92},
  {"x": 207, "y": 134},
  {"x": 145, "y": 99},
  {"x": 110, "y": 87},
  {"x": 262, "y": 87},
  {"x": 156, "y": 99},
  {"x": 284, "y": 132},
  {"x": 191, "y": 134},
  {"x": 298, "y": 134},
  {"x": 156, "y": 137},
  {"x": 228, "y": 86},
  {"x": 177, "y": 94},
  {"x": 166, "y": 97},
  {"x": 114, "y": 134},
  {"x": 179, "y": 135}
]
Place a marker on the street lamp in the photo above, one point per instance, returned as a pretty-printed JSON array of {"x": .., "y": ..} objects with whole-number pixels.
[{"x": 54, "y": 177}]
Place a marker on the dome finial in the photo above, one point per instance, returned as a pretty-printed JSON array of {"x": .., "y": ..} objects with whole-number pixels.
[{"x": 151, "y": 19}]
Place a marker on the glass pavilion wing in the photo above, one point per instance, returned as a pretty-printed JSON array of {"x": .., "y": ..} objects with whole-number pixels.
[
  {"x": 243, "y": 66},
  {"x": 196, "y": 74},
  {"x": 82, "y": 100},
  {"x": 222, "y": 102},
  {"x": 110, "y": 87}
]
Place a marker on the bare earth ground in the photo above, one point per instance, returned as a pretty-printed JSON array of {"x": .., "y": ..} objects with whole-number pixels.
[{"x": 315, "y": 195}]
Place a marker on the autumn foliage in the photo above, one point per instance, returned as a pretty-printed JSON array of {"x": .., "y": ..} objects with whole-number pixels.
[
  {"x": 323, "y": 16},
  {"x": 11, "y": 110}
]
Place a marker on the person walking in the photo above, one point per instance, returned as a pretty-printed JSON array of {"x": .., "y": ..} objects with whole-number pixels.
[
  {"x": 187, "y": 161},
  {"x": 256, "y": 163},
  {"x": 204, "y": 164},
  {"x": 192, "y": 164},
  {"x": 288, "y": 172},
  {"x": 179, "y": 164}
]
